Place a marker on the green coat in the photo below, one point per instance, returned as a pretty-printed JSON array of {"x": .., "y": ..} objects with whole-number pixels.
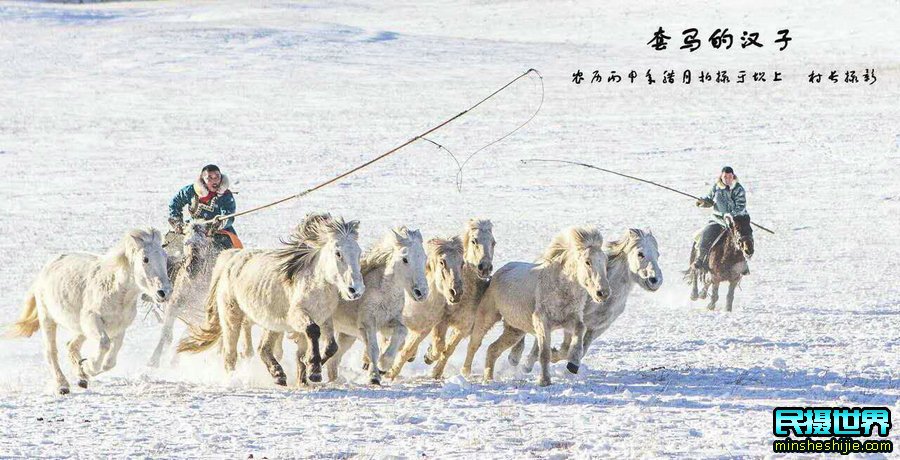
[{"x": 727, "y": 200}]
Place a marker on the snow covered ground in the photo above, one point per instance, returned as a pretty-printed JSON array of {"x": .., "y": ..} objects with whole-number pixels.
[{"x": 106, "y": 109}]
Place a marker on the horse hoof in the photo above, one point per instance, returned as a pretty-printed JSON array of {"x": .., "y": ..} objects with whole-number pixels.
[
  {"x": 411, "y": 359},
  {"x": 83, "y": 383},
  {"x": 375, "y": 381},
  {"x": 316, "y": 378},
  {"x": 281, "y": 381},
  {"x": 572, "y": 367},
  {"x": 544, "y": 382},
  {"x": 694, "y": 297},
  {"x": 63, "y": 390},
  {"x": 427, "y": 360}
]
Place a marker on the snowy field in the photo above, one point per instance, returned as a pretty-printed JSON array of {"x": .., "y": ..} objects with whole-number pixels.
[{"x": 107, "y": 109}]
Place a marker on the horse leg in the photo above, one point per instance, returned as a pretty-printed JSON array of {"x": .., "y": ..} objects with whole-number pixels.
[
  {"x": 508, "y": 338},
  {"x": 695, "y": 294},
  {"x": 575, "y": 333},
  {"x": 515, "y": 353},
  {"x": 231, "y": 318},
  {"x": 265, "y": 354},
  {"x": 532, "y": 357},
  {"x": 542, "y": 334},
  {"x": 589, "y": 336},
  {"x": 345, "y": 341},
  {"x": 398, "y": 337},
  {"x": 438, "y": 342},
  {"x": 93, "y": 327},
  {"x": 409, "y": 350},
  {"x": 109, "y": 361},
  {"x": 74, "y": 347},
  {"x": 48, "y": 326},
  {"x": 313, "y": 356},
  {"x": 370, "y": 342},
  {"x": 165, "y": 338},
  {"x": 705, "y": 292},
  {"x": 247, "y": 336},
  {"x": 561, "y": 353},
  {"x": 331, "y": 344},
  {"x": 456, "y": 337},
  {"x": 302, "y": 377},
  {"x": 714, "y": 296},
  {"x": 729, "y": 299},
  {"x": 484, "y": 321}
]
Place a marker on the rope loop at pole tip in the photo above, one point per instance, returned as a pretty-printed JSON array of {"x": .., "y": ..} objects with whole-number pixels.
[{"x": 410, "y": 141}]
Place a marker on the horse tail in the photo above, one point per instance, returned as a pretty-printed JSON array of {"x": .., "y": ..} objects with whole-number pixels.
[
  {"x": 689, "y": 275},
  {"x": 28, "y": 322},
  {"x": 203, "y": 337}
]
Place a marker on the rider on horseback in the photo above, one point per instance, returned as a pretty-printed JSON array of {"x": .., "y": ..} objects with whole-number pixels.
[
  {"x": 727, "y": 198},
  {"x": 207, "y": 198}
]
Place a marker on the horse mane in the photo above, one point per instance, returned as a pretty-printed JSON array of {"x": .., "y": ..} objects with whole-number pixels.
[
  {"x": 743, "y": 223},
  {"x": 436, "y": 248},
  {"x": 303, "y": 245},
  {"x": 381, "y": 253},
  {"x": 617, "y": 249},
  {"x": 569, "y": 242},
  {"x": 121, "y": 254},
  {"x": 484, "y": 225}
]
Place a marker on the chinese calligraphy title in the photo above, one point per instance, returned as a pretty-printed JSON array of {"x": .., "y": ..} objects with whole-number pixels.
[{"x": 718, "y": 39}]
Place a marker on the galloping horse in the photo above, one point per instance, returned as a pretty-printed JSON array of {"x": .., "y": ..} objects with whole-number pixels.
[{"x": 727, "y": 261}]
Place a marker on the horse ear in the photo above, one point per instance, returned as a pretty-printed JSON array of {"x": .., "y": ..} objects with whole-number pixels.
[
  {"x": 354, "y": 227},
  {"x": 400, "y": 234},
  {"x": 415, "y": 235}
]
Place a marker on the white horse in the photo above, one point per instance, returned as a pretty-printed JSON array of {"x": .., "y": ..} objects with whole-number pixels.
[
  {"x": 95, "y": 297},
  {"x": 444, "y": 273},
  {"x": 190, "y": 277},
  {"x": 394, "y": 270},
  {"x": 478, "y": 253},
  {"x": 633, "y": 261},
  {"x": 292, "y": 289},
  {"x": 537, "y": 298}
]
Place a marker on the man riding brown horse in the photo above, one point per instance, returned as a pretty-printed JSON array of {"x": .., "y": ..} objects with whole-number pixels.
[{"x": 727, "y": 198}]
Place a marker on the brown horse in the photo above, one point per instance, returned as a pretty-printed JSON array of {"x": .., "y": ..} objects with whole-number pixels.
[{"x": 727, "y": 262}]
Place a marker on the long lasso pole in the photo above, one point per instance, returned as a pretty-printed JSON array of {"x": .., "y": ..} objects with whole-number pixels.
[
  {"x": 379, "y": 157},
  {"x": 632, "y": 178}
]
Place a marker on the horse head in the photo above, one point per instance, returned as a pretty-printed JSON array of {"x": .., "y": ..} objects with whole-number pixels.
[
  {"x": 741, "y": 233},
  {"x": 408, "y": 262},
  {"x": 148, "y": 263},
  {"x": 444, "y": 267},
  {"x": 586, "y": 254},
  {"x": 478, "y": 246},
  {"x": 643, "y": 259}
]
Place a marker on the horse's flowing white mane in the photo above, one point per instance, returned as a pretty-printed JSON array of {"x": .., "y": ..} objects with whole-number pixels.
[
  {"x": 436, "y": 248},
  {"x": 120, "y": 255},
  {"x": 473, "y": 225},
  {"x": 617, "y": 249},
  {"x": 568, "y": 244},
  {"x": 303, "y": 245},
  {"x": 381, "y": 253}
]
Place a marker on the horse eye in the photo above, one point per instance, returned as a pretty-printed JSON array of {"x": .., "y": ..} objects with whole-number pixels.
[
  {"x": 405, "y": 260},
  {"x": 641, "y": 255},
  {"x": 443, "y": 263},
  {"x": 587, "y": 262},
  {"x": 146, "y": 260},
  {"x": 338, "y": 254}
]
